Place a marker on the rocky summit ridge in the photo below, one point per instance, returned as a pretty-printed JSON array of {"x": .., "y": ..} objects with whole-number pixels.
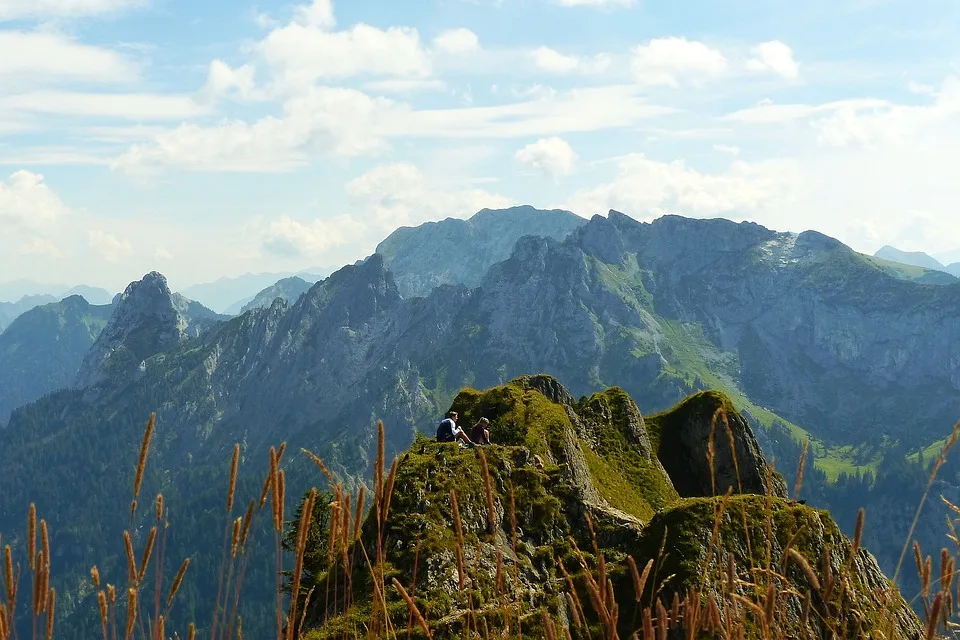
[
  {"x": 570, "y": 481},
  {"x": 148, "y": 319}
]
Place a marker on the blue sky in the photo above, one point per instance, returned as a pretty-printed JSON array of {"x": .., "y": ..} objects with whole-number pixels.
[{"x": 216, "y": 138}]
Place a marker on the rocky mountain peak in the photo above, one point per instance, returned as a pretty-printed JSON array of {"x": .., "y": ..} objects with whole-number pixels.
[{"x": 148, "y": 318}]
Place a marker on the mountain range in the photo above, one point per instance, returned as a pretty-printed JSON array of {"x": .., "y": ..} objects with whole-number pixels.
[
  {"x": 917, "y": 259},
  {"x": 807, "y": 338},
  {"x": 229, "y": 295}
]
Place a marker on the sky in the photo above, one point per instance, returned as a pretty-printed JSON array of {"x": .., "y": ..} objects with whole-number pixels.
[{"x": 215, "y": 138}]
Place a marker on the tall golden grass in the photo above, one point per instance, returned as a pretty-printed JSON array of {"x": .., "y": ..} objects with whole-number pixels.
[{"x": 749, "y": 600}]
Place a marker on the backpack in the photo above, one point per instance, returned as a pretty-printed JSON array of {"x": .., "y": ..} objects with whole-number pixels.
[{"x": 445, "y": 430}]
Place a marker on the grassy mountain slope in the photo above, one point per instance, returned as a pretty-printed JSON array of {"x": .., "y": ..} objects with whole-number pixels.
[{"x": 42, "y": 350}]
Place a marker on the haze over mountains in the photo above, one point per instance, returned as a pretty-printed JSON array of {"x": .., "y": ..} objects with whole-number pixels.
[
  {"x": 918, "y": 259},
  {"x": 808, "y": 338}
]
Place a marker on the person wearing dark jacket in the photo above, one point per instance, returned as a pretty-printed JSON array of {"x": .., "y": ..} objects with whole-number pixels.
[{"x": 448, "y": 431}]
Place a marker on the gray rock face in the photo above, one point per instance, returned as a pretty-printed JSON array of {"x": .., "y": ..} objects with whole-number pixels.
[
  {"x": 460, "y": 251},
  {"x": 148, "y": 319}
]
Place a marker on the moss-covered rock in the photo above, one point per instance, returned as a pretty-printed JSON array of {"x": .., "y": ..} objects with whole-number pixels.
[{"x": 570, "y": 490}]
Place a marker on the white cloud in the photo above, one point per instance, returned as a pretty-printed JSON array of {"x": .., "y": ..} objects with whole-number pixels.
[
  {"x": 162, "y": 255},
  {"x": 553, "y": 61},
  {"x": 318, "y": 13},
  {"x": 383, "y": 198},
  {"x": 670, "y": 61},
  {"x": 864, "y": 122},
  {"x": 129, "y": 106},
  {"x": 300, "y": 54},
  {"x": 553, "y": 157},
  {"x": 27, "y": 202},
  {"x": 648, "y": 188},
  {"x": 291, "y": 238},
  {"x": 767, "y": 112},
  {"x": 776, "y": 57},
  {"x": 37, "y": 9},
  {"x": 346, "y": 122},
  {"x": 108, "y": 246},
  {"x": 457, "y": 42},
  {"x": 400, "y": 195},
  {"x": 41, "y": 247},
  {"x": 549, "y": 113},
  {"x": 889, "y": 123},
  {"x": 405, "y": 86},
  {"x": 36, "y": 56},
  {"x": 222, "y": 79},
  {"x": 324, "y": 120}
]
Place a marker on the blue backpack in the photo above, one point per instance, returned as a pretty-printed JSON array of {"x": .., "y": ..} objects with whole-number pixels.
[{"x": 445, "y": 430}]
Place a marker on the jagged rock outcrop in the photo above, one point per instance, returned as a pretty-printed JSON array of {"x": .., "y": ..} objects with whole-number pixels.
[
  {"x": 515, "y": 524},
  {"x": 147, "y": 319}
]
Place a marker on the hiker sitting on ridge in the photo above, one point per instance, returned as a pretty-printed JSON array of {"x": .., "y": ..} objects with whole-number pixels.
[
  {"x": 480, "y": 433},
  {"x": 448, "y": 431}
]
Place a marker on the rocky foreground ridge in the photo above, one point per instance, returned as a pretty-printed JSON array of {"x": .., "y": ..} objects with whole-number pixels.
[{"x": 577, "y": 487}]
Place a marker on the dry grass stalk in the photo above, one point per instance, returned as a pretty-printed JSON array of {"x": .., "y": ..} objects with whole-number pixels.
[
  {"x": 11, "y": 584},
  {"x": 142, "y": 462},
  {"x": 102, "y": 605},
  {"x": 934, "y": 619},
  {"x": 488, "y": 490},
  {"x": 51, "y": 607},
  {"x": 32, "y": 536},
  {"x": 177, "y": 581},
  {"x": 800, "y": 467},
  {"x": 305, "y": 518},
  {"x": 131, "y": 611},
  {"x": 233, "y": 476},
  {"x": 801, "y": 562},
  {"x": 413, "y": 607},
  {"x": 147, "y": 550}
]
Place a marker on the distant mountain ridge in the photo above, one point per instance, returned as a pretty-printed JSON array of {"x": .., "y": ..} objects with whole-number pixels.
[
  {"x": 455, "y": 251},
  {"x": 228, "y": 295},
  {"x": 917, "y": 259},
  {"x": 288, "y": 289},
  {"x": 41, "y": 351},
  {"x": 797, "y": 329}
]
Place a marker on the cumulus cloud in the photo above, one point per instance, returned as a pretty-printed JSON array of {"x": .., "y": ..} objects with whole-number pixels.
[
  {"x": 383, "y": 198},
  {"x": 223, "y": 80},
  {"x": 399, "y": 194},
  {"x": 553, "y": 61},
  {"x": 324, "y": 120},
  {"x": 39, "y": 9},
  {"x": 289, "y": 238},
  {"x": 670, "y": 61},
  {"x": 776, "y": 57},
  {"x": 553, "y": 157},
  {"x": 648, "y": 188},
  {"x": 108, "y": 246},
  {"x": 457, "y": 42},
  {"x": 319, "y": 13},
  {"x": 299, "y": 54},
  {"x": 27, "y": 202}
]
